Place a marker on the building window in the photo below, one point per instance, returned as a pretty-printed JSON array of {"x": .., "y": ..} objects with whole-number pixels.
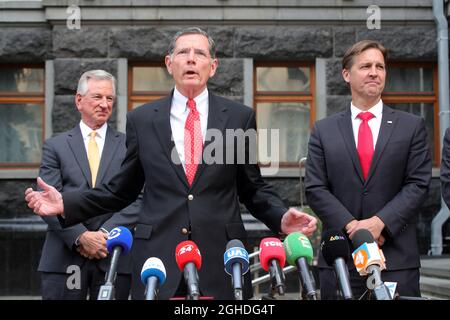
[
  {"x": 284, "y": 100},
  {"x": 147, "y": 81},
  {"x": 412, "y": 87},
  {"x": 22, "y": 108}
]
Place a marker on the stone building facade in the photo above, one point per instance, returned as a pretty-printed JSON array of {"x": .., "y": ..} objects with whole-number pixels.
[{"x": 115, "y": 35}]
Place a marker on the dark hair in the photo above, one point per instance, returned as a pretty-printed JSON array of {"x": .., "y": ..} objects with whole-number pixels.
[
  {"x": 193, "y": 30},
  {"x": 358, "y": 48}
]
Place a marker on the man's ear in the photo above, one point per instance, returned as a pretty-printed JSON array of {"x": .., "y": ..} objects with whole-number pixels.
[
  {"x": 346, "y": 75},
  {"x": 78, "y": 98},
  {"x": 168, "y": 62},
  {"x": 214, "y": 65}
]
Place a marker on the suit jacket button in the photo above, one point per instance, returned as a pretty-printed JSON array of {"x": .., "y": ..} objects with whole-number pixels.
[
  {"x": 365, "y": 193},
  {"x": 190, "y": 197},
  {"x": 184, "y": 231}
]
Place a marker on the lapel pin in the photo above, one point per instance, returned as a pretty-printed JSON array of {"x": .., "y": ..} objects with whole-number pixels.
[{"x": 389, "y": 121}]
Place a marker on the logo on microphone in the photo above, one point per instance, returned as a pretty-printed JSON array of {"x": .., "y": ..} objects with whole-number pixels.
[
  {"x": 186, "y": 249},
  {"x": 337, "y": 237},
  {"x": 360, "y": 257},
  {"x": 236, "y": 252},
  {"x": 273, "y": 244},
  {"x": 114, "y": 233}
]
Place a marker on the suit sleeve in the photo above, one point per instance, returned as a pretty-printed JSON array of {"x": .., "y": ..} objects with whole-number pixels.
[
  {"x": 401, "y": 209},
  {"x": 330, "y": 210},
  {"x": 259, "y": 197},
  {"x": 50, "y": 172},
  {"x": 118, "y": 193},
  {"x": 127, "y": 217},
  {"x": 445, "y": 168}
]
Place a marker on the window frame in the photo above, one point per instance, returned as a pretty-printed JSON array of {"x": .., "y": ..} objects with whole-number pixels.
[
  {"x": 419, "y": 97},
  {"x": 24, "y": 98},
  {"x": 286, "y": 96},
  {"x": 142, "y": 96}
]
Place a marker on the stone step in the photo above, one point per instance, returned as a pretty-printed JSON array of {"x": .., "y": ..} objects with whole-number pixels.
[
  {"x": 435, "y": 287},
  {"x": 435, "y": 268}
]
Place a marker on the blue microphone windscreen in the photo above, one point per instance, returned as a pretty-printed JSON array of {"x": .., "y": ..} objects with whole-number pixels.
[
  {"x": 236, "y": 255},
  {"x": 119, "y": 236}
]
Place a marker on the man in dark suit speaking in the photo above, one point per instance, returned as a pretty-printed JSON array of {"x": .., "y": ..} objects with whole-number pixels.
[
  {"x": 87, "y": 155},
  {"x": 186, "y": 195},
  {"x": 369, "y": 167}
]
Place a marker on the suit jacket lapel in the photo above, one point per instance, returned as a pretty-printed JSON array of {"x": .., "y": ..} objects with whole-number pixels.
[
  {"x": 163, "y": 131},
  {"x": 217, "y": 119},
  {"x": 346, "y": 128},
  {"x": 109, "y": 149},
  {"x": 388, "y": 122},
  {"x": 76, "y": 144}
]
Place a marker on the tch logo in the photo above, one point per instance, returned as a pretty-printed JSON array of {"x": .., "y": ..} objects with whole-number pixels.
[
  {"x": 273, "y": 244},
  {"x": 360, "y": 259}
]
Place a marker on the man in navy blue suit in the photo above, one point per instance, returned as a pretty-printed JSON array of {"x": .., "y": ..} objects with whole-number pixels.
[{"x": 369, "y": 167}]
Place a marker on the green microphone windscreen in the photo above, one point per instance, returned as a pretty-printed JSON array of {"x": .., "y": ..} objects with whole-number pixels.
[{"x": 297, "y": 245}]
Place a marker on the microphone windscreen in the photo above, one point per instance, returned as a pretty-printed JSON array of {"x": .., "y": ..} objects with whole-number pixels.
[
  {"x": 362, "y": 236},
  {"x": 153, "y": 267},
  {"x": 235, "y": 253},
  {"x": 119, "y": 236},
  {"x": 269, "y": 249},
  {"x": 235, "y": 243},
  {"x": 334, "y": 245},
  {"x": 187, "y": 251},
  {"x": 297, "y": 245}
]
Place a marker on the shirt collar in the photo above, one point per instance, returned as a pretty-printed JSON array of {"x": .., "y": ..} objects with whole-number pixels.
[
  {"x": 376, "y": 110},
  {"x": 180, "y": 102},
  {"x": 86, "y": 131}
]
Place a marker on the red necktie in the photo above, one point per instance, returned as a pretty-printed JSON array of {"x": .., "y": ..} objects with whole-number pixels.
[
  {"x": 365, "y": 143},
  {"x": 193, "y": 141}
]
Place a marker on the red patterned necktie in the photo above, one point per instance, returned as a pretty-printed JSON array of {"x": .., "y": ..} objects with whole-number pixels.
[
  {"x": 193, "y": 141},
  {"x": 365, "y": 143}
]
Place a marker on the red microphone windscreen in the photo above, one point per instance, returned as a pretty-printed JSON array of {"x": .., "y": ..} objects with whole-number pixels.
[
  {"x": 187, "y": 251},
  {"x": 271, "y": 248}
]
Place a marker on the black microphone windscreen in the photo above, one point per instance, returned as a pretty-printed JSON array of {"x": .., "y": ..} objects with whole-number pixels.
[
  {"x": 361, "y": 236},
  {"x": 235, "y": 243},
  {"x": 334, "y": 245}
]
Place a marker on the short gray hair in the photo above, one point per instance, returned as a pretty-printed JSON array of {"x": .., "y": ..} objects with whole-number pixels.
[
  {"x": 96, "y": 75},
  {"x": 193, "y": 30}
]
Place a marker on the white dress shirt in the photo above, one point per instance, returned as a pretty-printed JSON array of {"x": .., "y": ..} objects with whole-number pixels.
[
  {"x": 178, "y": 115},
  {"x": 374, "y": 123},
  {"x": 99, "y": 137}
]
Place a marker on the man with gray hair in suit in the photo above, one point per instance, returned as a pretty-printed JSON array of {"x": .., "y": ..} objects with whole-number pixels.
[{"x": 74, "y": 260}]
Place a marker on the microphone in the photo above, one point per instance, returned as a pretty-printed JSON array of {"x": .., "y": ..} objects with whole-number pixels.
[
  {"x": 299, "y": 253},
  {"x": 119, "y": 242},
  {"x": 153, "y": 275},
  {"x": 236, "y": 263},
  {"x": 335, "y": 250},
  {"x": 369, "y": 260},
  {"x": 273, "y": 258},
  {"x": 189, "y": 260}
]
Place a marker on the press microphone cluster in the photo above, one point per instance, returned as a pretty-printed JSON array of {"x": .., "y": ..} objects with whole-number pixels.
[
  {"x": 299, "y": 253},
  {"x": 335, "y": 250},
  {"x": 189, "y": 260},
  {"x": 153, "y": 275},
  {"x": 119, "y": 242},
  {"x": 369, "y": 260},
  {"x": 273, "y": 259},
  {"x": 236, "y": 264}
]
